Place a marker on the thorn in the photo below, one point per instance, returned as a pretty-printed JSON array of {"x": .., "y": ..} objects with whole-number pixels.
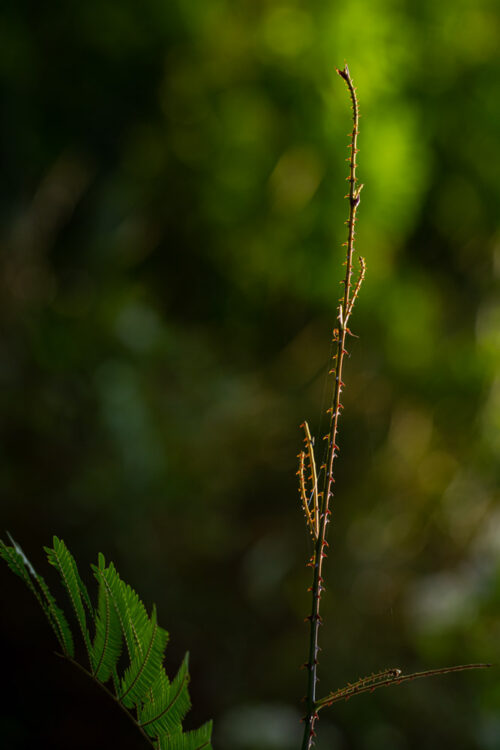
[
  {"x": 313, "y": 618},
  {"x": 305, "y": 665}
]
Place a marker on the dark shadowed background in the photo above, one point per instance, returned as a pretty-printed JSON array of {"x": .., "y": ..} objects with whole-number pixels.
[{"x": 171, "y": 223}]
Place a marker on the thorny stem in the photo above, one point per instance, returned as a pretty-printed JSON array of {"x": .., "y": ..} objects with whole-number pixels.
[
  {"x": 386, "y": 679},
  {"x": 317, "y": 508},
  {"x": 340, "y": 333}
]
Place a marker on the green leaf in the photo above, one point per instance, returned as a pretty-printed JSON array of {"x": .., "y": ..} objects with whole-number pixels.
[
  {"x": 130, "y": 610},
  {"x": 21, "y": 566},
  {"x": 145, "y": 640},
  {"x": 197, "y": 739},
  {"x": 62, "y": 559},
  {"x": 171, "y": 703},
  {"x": 145, "y": 665},
  {"x": 58, "y": 620},
  {"x": 107, "y": 645}
]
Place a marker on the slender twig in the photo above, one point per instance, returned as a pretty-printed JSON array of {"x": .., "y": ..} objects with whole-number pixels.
[
  {"x": 319, "y": 509},
  {"x": 386, "y": 679},
  {"x": 109, "y": 694},
  {"x": 340, "y": 333},
  {"x": 310, "y": 504}
]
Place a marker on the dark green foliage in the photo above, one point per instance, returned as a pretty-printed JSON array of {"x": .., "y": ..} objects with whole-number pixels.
[
  {"x": 157, "y": 706},
  {"x": 171, "y": 705},
  {"x": 20, "y": 565},
  {"x": 61, "y": 558},
  {"x": 107, "y": 645}
]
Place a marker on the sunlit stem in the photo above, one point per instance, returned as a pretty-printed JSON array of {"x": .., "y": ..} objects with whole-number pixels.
[
  {"x": 345, "y": 310},
  {"x": 386, "y": 679}
]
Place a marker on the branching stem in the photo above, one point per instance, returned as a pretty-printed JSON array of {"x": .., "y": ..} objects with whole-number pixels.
[
  {"x": 317, "y": 505},
  {"x": 345, "y": 309},
  {"x": 386, "y": 679}
]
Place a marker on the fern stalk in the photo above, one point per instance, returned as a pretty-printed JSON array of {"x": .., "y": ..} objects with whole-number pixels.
[{"x": 110, "y": 694}]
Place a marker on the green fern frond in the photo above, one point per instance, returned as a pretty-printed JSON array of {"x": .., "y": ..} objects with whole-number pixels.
[
  {"x": 145, "y": 667},
  {"x": 119, "y": 616},
  {"x": 197, "y": 739},
  {"x": 107, "y": 645},
  {"x": 171, "y": 704},
  {"x": 61, "y": 558},
  {"x": 18, "y": 562},
  {"x": 58, "y": 620},
  {"x": 21, "y": 566},
  {"x": 131, "y": 611}
]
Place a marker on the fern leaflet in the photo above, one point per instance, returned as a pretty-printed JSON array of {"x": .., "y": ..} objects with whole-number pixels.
[
  {"x": 21, "y": 566},
  {"x": 107, "y": 645},
  {"x": 64, "y": 562},
  {"x": 171, "y": 703},
  {"x": 198, "y": 739},
  {"x": 145, "y": 666}
]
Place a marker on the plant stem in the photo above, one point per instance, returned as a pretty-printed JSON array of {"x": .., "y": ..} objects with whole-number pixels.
[
  {"x": 109, "y": 694},
  {"x": 390, "y": 677},
  {"x": 340, "y": 334}
]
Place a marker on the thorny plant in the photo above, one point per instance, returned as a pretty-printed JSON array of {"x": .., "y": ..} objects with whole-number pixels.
[
  {"x": 124, "y": 647},
  {"x": 316, "y": 487}
]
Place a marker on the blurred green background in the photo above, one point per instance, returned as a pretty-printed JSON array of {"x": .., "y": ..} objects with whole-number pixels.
[{"x": 171, "y": 219}]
